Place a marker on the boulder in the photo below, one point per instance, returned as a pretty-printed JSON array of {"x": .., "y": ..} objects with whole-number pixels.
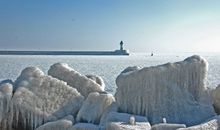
[
  {"x": 165, "y": 126},
  {"x": 97, "y": 79},
  {"x": 211, "y": 124},
  {"x": 57, "y": 125},
  {"x": 73, "y": 78},
  {"x": 94, "y": 107},
  {"x": 216, "y": 99},
  {"x": 85, "y": 126},
  {"x": 126, "y": 126},
  {"x": 122, "y": 117},
  {"x": 40, "y": 98},
  {"x": 175, "y": 91},
  {"x": 6, "y": 89}
]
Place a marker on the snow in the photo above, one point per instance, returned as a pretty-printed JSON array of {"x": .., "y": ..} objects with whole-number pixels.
[
  {"x": 216, "y": 99},
  {"x": 212, "y": 124},
  {"x": 165, "y": 126},
  {"x": 94, "y": 107},
  {"x": 122, "y": 117},
  {"x": 42, "y": 99},
  {"x": 73, "y": 78},
  {"x": 175, "y": 91}
]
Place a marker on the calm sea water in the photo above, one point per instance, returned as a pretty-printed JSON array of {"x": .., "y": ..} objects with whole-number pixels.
[{"x": 108, "y": 67}]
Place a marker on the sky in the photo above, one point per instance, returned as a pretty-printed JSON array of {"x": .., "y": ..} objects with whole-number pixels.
[{"x": 143, "y": 25}]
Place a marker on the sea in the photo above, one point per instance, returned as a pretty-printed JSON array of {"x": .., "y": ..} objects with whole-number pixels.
[{"x": 108, "y": 67}]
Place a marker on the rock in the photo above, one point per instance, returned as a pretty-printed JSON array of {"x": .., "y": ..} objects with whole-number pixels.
[
  {"x": 83, "y": 84},
  {"x": 57, "y": 125},
  {"x": 121, "y": 117},
  {"x": 94, "y": 107},
  {"x": 165, "y": 126},
  {"x": 216, "y": 99},
  {"x": 6, "y": 89},
  {"x": 126, "y": 126},
  {"x": 175, "y": 91},
  {"x": 40, "y": 99},
  {"x": 85, "y": 126},
  {"x": 212, "y": 124},
  {"x": 97, "y": 79}
]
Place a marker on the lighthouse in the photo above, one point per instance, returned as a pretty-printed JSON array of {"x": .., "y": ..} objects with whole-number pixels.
[{"x": 121, "y": 46}]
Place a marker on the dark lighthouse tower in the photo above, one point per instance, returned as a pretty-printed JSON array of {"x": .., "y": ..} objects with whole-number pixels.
[{"x": 121, "y": 45}]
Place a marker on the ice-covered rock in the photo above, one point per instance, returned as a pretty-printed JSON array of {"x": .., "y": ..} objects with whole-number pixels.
[
  {"x": 6, "y": 89},
  {"x": 216, "y": 99},
  {"x": 85, "y": 126},
  {"x": 175, "y": 91},
  {"x": 165, "y": 126},
  {"x": 126, "y": 126},
  {"x": 121, "y": 117},
  {"x": 40, "y": 98},
  {"x": 97, "y": 79},
  {"x": 57, "y": 125},
  {"x": 94, "y": 107},
  {"x": 212, "y": 124},
  {"x": 83, "y": 84}
]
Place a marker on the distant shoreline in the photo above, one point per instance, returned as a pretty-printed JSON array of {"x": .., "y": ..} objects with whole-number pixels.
[{"x": 116, "y": 52}]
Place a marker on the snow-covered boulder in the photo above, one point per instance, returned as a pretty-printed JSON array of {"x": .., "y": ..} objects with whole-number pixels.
[
  {"x": 165, "y": 126},
  {"x": 57, "y": 125},
  {"x": 175, "y": 91},
  {"x": 85, "y": 126},
  {"x": 73, "y": 78},
  {"x": 40, "y": 99},
  {"x": 126, "y": 126},
  {"x": 97, "y": 79},
  {"x": 121, "y": 117},
  {"x": 94, "y": 107},
  {"x": 212, "y": 124},
  {"x": 6, "y": 89},
  {"x": 216, "y": 99}
]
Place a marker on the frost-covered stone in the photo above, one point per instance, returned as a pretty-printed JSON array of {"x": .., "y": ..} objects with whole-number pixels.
[
  {"x": 165, "y": 126},
  {"x": 94, "y": 107},
  {"x": 216, "y": 99},
  {"x": 40, "y": 99},
  {"x": 126, "y": 126},
  {"x": 97, "y": 79},
  {"x": 83, "y": 84},
  {"x": 85, "y": 126},
  {"x": 212, "y": 124},
  {"x": 57, "y": 125},
  {"x": 175, "y": 91},
  {"x": 6, "y": 89},
  {"x": 121, "y": 117}
]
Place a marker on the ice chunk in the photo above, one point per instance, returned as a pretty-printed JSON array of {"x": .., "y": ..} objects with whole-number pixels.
[
  {"x": 94, "y": 106},
  {"x": 126, "y": 126},
  {"x": 165, "y": 126},
  {"x": 212, "y": 124},
  {"x": 175, "y": 91},
  {"x": 122, "y": 117},
  {"x": 97, "y": 79},
  {"x": 83, "y": 84},
  {"x": 85, "y": 126},
  {"x": 42, "y": 99},
  {"x": 56, "y": 125},
  {"x": 216, "y": 99}
]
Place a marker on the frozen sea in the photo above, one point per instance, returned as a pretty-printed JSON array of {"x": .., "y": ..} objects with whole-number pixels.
[{"x": 108, "y": 67}]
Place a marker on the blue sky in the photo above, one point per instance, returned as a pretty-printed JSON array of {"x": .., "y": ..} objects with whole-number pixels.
[{"x": 144, "y": 25}]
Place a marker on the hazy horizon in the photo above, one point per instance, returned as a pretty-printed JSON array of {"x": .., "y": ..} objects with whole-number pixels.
[{"x": 143, "y": 25}]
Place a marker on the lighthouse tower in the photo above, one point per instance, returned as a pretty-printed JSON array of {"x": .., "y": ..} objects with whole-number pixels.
[{"x": 121, "y": 46}]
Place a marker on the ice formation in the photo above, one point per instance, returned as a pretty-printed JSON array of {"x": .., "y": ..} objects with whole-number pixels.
[
  {"x": 126, "y": 126},
  {"x": 212, "y": 124},
  {"x": 6, "y": 89},
  {"x": 216, "y": 99},
  {"x": 94, "y": 107},
  {"x": 97, "y": 79},
  {"x": 83, "y": 84},
  {"x": 175, "y": 91},
  {"x": 40, "y": 98},
  {"x": 165, "y": 126},
  {"x": 57, "y": 125},
  {"x": 85, "y": 126}
]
